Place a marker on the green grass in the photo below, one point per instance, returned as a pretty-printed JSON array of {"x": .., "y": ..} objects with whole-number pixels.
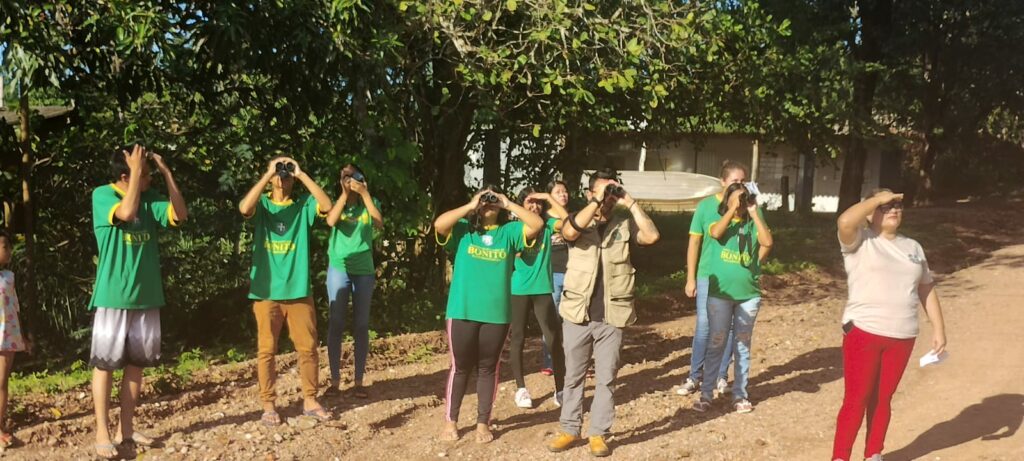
[
  {"x": 421, "y": 354},
  {"x": 47, "y": 382},
  {"x": 648, "y": 286},
  {"x": 164, "y": 378}
]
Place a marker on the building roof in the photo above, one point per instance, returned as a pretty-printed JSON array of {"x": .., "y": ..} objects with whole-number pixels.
[{"x": 10, "y": 116}]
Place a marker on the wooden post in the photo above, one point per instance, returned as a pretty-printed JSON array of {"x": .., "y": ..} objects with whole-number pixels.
[
  {"x": 643, "y": 156},
  {"x": 755, "y": 160},
  {"x": 25, "y": 142},
  {"x": 784, "y": 190}
]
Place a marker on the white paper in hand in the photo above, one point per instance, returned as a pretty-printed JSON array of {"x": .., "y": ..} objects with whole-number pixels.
[{"x": 931, "y": 358}]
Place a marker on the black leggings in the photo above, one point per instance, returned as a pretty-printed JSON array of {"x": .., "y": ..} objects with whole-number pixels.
[
  {"x": 473, "y": 345},
  {"x": 544, "y": 310}
]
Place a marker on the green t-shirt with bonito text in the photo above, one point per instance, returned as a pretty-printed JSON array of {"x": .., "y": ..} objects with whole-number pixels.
[
  {"x": 128, "y": 267},
  {"x": 733, "y": 267},
  {"x": 351, "y": 245},
  {"x": 481, "y": 282},
  {"x": 280, "y": 248},
  {"x": 532, "y": 275}
]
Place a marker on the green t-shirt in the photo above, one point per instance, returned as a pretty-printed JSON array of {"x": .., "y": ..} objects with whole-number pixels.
[
  {"x": 128, "y": 270},
  {"x": 705, "y": 215},
  {"x": 532, "y": 274},
  {"x": 280, "y": 253},
  {"x": 351, "y": 246},
  {"x": 733, "y": 271},
  {"x": 481, "y": 283}
]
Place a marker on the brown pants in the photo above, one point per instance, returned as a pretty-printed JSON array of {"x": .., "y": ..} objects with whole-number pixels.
[{"x": 301, "y": 318}]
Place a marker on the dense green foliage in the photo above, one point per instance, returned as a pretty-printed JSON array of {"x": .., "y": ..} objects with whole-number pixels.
[{"x": 408, "y": 89}]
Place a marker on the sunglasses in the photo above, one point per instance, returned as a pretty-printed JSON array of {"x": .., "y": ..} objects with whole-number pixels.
[{"x": 891, "y": 206}]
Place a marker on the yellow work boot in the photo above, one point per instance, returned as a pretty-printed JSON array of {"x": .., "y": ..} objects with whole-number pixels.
[
  {"x": 562, "y": 442},
  {"x": 598, "y": 448}
]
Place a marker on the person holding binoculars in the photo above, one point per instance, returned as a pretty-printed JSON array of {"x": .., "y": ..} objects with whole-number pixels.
[
  {"x": 532, "y": 284},
  {"x": 351, "y": 272},
  {"x": 598, "y": 303},
  {"x": 128, "y": 293},
  {"x": 279, "y": 279},
  {"x": 698, "y": 273},
  {"x": 738, "y": 242},
  {"x": 485, "y": 245}
]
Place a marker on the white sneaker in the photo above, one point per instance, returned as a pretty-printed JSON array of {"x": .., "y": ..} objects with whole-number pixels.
[
  {"x": 558, "y": 399},
  {"x": 689, "y": 386},
  {"x": 722, "y": 387},
  {"x": 877, "y": 457},
  {"x": 523, "y": 399}
]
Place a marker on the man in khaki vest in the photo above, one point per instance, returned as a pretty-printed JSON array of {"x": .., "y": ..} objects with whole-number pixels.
[{"x": 597, "y": 303}]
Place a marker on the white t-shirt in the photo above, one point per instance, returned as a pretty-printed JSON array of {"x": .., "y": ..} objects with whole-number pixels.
[{"x": 883, "y": 276}]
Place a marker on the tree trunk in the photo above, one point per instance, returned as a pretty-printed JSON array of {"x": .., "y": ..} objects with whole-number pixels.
[
  {"x": 805, "y": 193},
  {"x": 876, "y": 24},
  {"x": 932, "y": 114},
  {"x": 28, "y": 292},
  {"x": 568, "y": 162},
  {"x": 492, "y": 155}
]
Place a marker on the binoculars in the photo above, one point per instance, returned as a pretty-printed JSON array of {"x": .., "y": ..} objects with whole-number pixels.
[
  {"x": 489, "y": 198},
  {"x": 357, "y": 176},
  {"x": 748, "y": 196},
  {"x": 614, "y": 190},
  {"x": 285, "y": 169}
]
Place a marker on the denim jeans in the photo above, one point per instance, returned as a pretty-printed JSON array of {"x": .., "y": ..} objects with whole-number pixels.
[
  {"x": 724, "y": 314},
  {"x": 559, "y": 284},
  {"x": 701, "y": 335},
  {"x": 340, "y": 287}
]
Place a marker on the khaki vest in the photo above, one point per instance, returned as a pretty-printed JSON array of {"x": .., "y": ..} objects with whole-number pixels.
[{"x": 619, "y": 276}]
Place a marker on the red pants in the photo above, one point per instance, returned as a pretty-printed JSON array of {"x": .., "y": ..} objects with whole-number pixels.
[{"x": 872, "y": 368}]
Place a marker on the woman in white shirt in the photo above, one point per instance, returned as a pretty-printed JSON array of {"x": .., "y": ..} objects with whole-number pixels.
[{"x": 888, "y": 278}]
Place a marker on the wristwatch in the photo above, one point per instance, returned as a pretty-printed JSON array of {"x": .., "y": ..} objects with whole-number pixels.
[{"x": 595, "y": 200}]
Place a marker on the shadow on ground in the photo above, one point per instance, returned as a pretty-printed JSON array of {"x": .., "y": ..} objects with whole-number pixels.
[{"x": 994, "y": 418}]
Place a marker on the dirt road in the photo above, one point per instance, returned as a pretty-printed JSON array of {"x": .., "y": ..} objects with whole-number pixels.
[{"x": 968, "y": 408}]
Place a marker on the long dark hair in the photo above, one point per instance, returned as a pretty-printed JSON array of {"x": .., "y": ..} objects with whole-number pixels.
[
  {"x": 475, "y": 224},
  {"x": 354, "y": 167},
  {"x": 723, "y": 206}
]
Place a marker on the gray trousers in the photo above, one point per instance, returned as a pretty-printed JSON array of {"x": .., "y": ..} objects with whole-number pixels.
[{"x": 579, "y": 340}]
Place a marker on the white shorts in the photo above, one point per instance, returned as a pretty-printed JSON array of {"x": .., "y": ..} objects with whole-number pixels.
[{"x": 125, "y": 336}]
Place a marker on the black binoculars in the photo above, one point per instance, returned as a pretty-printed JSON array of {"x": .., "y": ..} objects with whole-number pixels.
[
  {"x": 489, "y": 198},
  {"x": 357, "y": 176},
  {"x": 614, "y": 190},
  {"x": 285, "y": 169}
]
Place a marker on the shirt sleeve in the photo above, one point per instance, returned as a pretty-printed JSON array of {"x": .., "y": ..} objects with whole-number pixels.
[
  {"x": 258, "y": 209},
  {"x": 853, "y": 246},
  {"x": 926, "y": 274},
  {"x": 697, "y": 222},
  {"x": 105, "y": 203},
  {"x": 311, "y": 209},
  {"x": 515, "y": 234},
  {"x": 452, "y": 242},
  {"x": 553, "y": 224},
  {"x": 160, "y": 208}
]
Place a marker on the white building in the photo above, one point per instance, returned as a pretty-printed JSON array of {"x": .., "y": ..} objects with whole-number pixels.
[{"x": 769, "y": 163}]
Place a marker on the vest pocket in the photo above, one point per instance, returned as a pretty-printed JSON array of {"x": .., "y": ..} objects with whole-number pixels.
[
  {"x": 573, "y": 306},
  {"x": 620, "y": 310}
]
